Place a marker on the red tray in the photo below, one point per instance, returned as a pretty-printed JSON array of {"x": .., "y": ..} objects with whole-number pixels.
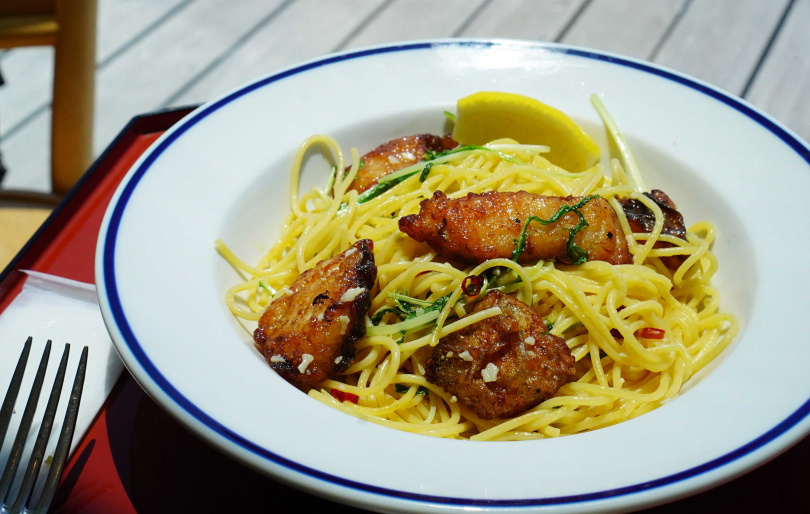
[{"x": 135, "y": 458}]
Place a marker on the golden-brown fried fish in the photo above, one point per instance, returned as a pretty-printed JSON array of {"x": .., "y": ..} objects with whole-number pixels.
[
  {"x": 308, "y": 335},
  {"x": 642, "y": 219},
  {"x": 503, "y": 365},
  {"x": 396, "y": 155},
  {"x": 479, "y": 227}
]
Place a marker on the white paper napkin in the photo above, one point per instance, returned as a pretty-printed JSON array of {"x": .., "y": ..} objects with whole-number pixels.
[{"x": 65, "y": 311}]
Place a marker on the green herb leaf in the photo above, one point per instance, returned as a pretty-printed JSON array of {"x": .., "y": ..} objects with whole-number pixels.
[
  {"x": 377, "y": 189},
  {"x": 575, "y": 254},
  {"x": 392, "y": 179},
  {"x": 378, "y": 316},
  {"x": 425, "y": 172},
  {"x": 406, "y": 306},
  {"x": 404, "y": 388},
  {"x": 431, "y": 155}
]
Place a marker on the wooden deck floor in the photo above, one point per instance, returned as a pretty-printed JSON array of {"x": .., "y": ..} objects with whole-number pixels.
[{"x": 154, "y": 54}]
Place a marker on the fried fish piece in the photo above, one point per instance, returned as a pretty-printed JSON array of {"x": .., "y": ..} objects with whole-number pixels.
[
  {"x": 396, "y": 155},
  {"x": 479, "y": 227},
  {"x": 503, "y": 365},
  {"x": 308, "y": 334},
  {"x": 642, "y": 219}
]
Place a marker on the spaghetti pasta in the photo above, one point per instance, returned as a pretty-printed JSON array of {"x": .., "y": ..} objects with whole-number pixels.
[{"x": 601, "y": 310}]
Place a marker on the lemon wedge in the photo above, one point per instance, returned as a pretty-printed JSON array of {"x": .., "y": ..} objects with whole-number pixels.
[{"x": 486, "y": 116}]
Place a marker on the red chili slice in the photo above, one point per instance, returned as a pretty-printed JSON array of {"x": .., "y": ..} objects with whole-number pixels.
[
  {"x": 471, "y": 285},
  {"x": 343, "y": 396},
  {"x": 650, "y": 333}
]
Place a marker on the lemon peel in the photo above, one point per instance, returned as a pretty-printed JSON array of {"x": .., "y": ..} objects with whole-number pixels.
[{"x": 486, "y": 116}]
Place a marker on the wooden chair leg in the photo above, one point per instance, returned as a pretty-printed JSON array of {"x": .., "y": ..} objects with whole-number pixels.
[{"x": 73, "y": 100}]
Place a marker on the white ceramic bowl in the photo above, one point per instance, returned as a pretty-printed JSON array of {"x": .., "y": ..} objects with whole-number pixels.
[{"x": 223, "y": 173}]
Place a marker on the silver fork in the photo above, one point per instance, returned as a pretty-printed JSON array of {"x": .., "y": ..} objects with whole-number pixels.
[{"x": 23, "y": 501}]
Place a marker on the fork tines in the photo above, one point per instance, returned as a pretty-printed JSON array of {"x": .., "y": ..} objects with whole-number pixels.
[{"x": 23, "y": 498}]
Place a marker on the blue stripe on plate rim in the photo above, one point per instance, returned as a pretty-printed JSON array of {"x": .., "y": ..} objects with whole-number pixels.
[{"x": 157, "y": 377}]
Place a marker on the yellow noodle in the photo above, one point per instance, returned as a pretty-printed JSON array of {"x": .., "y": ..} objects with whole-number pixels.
[{"x": 596, "y": 307}]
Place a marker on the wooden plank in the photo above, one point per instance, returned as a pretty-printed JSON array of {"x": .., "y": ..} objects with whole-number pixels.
[
  {"x": 403, "y": 20},
  {"x": 720, "y": 41},
  {"x": 305, "y": 30},
  {"x": 633, "y": 28},
  {"x": 782, "y": 83},
  {"x": 26, "y": 96},
  {"x": 29, "y": 85},
  {"x": 140, "y": 79},
  {"x": 27, "y": 156},
  {"x": 205, "y": 47},
  {"x": 542, "y": 20},
  {"x": 29, "y": 71},
  {"x": 143, "y": 78},
  {"x": 25, "y": 102},
  {"x": 121, "y": 22}
]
